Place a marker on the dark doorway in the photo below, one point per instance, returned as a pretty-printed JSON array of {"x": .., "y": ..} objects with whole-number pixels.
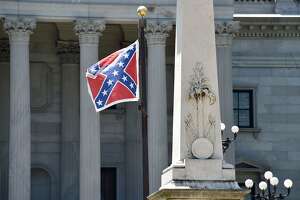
[
  {"x": 108, "y": 183},
  {"x": 40, "y": 184}
]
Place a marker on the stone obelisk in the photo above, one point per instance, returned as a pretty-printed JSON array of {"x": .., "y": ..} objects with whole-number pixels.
[{"x": 197, "y": 170}]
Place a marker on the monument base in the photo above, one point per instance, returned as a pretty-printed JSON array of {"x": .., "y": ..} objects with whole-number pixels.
[
  {"x": 196, "y": 179},
  {"x": 196, "y": 169},
  {"x": 198, "y": 194}
]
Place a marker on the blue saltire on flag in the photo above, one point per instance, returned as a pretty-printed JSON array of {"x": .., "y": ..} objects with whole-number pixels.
[{"x": 114, "y": 79}]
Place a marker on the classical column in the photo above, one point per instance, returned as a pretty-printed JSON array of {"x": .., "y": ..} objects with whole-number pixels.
[
  {"x": 156, "y": 34},
  {"x": 68, "y": 52},
  {"x": 224, "y": 34},
  {"x": 134, "y": 153},
  {"x": 88, "y": 32},
  {"x": 19, "y": 30},
  {"x": 4, "y": 122}
]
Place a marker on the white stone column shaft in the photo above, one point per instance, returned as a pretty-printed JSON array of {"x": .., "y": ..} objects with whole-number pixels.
[
  {"x": 224, "y": 34},
  {"x": 90, "y": 161},
  {"x": 156, "y": 34},
  {"x": 69, "y": 57},
  {"x": 134, "y": 153},
  {"x": 19, "y": 30}
]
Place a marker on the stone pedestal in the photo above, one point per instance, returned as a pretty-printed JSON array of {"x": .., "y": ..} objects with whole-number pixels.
[{"x": 197, "y": 194}]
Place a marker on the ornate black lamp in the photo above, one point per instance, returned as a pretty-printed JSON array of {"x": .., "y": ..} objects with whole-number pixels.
[
  {"x": 226, "y": 143},
  {"x": 268, "y": 188}
]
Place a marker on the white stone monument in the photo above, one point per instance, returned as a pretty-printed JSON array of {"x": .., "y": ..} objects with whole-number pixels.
[{"x": 197, "y": 170}]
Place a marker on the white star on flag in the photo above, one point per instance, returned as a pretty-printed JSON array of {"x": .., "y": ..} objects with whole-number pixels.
[
  {"x": 115, "y": 72},
  {"x": 124, "y": 78},
  {"x": 121, "y": 64},
  {"x": 93, "y": 70},
  {"x": 104, "y": 93},
  {"x": 131, "y": 85},
  {"x": 110, "y": 82},
  {"x": 126, "y": 55},
  {"x": 131, "y": 48},
  {"x": 99, "y": 103}
]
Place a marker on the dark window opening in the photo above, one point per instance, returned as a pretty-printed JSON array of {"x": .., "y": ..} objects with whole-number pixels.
[{"x": 243, "y": 108}]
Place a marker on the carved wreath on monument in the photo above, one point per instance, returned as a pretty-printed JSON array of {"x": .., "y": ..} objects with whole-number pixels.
[{"x": 200, "y": 123}]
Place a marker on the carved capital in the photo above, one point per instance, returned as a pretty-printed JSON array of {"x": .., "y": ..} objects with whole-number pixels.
[
  {"x": 227, "y": 27},
  {"x": 4, "y": 50},
  {"x": 156, "y": 32},
  {"x": 89, "y": 30},
  {"x": 19, "y": 28},
  {"x": 68, "y": 52}
]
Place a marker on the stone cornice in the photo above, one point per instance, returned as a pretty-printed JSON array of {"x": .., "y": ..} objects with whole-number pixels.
[
  {"x": 269, "y": 29},
  {"x": 266, "y": 62},
  {"x": 111, "y": 12},
  {"x": 68, "y": 52},
  {"x": 19, "y": 28},
  {"x": 255, "y": 1},
  {"x": 4, "y": 50},
  {"x": 157, "y": 32}
]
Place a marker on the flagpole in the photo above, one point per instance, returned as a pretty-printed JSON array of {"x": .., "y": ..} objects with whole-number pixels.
[{"x": 142, "y": 12}]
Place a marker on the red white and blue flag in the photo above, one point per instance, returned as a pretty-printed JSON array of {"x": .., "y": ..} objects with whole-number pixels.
[{"x": 114, "y": 79}]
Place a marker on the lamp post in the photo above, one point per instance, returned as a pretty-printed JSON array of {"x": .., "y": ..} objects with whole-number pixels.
[
  {"x": 226, "y": 143},
  {"x": 268, "y": 188}
]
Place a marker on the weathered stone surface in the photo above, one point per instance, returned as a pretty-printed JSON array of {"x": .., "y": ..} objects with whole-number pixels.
[
  {"x": 193, "y": 72},
  {"x": 19, "y": 30},
  {"x": 156, "y": 35},
  {"x": 272, "y": 74},
  {"x": 88, "y": 32},
  {"x": 265, "y": 56},
  {"x": 224, "y": 35},
  {"x": 197, "y": 194},
  {"x": 196, "y": 119},
  {"x": 68, "y": 52}
]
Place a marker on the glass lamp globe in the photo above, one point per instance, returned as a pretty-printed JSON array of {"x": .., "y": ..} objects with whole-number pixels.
[
  {"x": 288, "y": 183},
  {"x": 263, "y": 185},
  {"x": 274, "y": 181},
  {"x": 268, "y": 175},
  {"x": 142, "y": 11},
  {"x": 223, "y": 126},
  {"x": 249, "y": 183},
  {"x": 235, "y": 129}
]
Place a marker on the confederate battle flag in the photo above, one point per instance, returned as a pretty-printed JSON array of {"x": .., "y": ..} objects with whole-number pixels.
[{"x": 114, "y": 79}]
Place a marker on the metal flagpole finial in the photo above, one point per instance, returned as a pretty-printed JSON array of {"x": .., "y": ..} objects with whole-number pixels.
[{"x": 142, "y": 11}]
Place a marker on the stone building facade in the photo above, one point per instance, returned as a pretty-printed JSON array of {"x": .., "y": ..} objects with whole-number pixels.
[{"x": 49, "y": 129}]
